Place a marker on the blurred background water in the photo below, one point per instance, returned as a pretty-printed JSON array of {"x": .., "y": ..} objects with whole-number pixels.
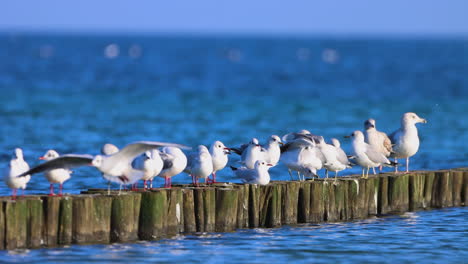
[{"x": 73, "y": 93}]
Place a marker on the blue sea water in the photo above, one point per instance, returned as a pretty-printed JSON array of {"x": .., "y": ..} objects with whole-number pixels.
[{"x": 74, "y": 93}]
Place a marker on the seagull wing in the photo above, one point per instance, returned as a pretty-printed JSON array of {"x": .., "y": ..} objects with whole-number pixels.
[
  {"x": 132, "y": 150},
  {"x": 376, "y": 156},
  {"x": 67, "y": 161}
]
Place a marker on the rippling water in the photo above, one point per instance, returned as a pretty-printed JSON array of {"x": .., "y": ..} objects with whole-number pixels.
[
  {"x": 436, "y": 236},
  {"x": 75, "y": 93}
]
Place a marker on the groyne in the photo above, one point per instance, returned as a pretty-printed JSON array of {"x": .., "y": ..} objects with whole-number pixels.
[{"x": 94, "y": 217}]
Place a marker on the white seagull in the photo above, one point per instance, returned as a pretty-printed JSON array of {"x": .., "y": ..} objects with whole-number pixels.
[
  {"x": 175, "y": 162},
  {"x": 199, "y": 165},
  {"x": 56, "y": 175},
  {"x": 379, "y": 140},
  {"x": 272, "y": 150},
  {"x": 116, "y": 167},
  {"x": 303, "y": 156},
  {"x": 366, "y": 155},
  {"x": 332, "y": 160},
  {"x": 258, "y": 175},
  {"x": 406, "y": 139},
  {"x": 151, "y": 164},
  {"x": 219, "y": 154},
  {"x": 250, "y": 153},
  {"x": 14, "y": 179}
]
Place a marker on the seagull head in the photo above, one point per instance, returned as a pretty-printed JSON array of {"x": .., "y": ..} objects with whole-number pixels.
[
  {"x": 369, "y": 124},
  {"x": 411, "y": 118},
  {"x": 18, "y": 153},
  {"x": 49, "y": 155},
  {"x": 97, "y": 161},
  {"x": 335, "y": 142},
  {"x": 254, "y": 142},
  {"x": 262, "y": 164},
  {"x": 274, "y": 139}
]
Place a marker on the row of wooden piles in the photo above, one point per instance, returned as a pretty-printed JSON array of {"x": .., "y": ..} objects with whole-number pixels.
[{"x": 94, "y": 217}]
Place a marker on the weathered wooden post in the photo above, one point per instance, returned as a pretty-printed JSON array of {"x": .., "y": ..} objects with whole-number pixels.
[
  {"x": 102, "y": 218},
  {"x": 416, "y": 191},
  {"x": 457, "y": 185},
  {"x": 270, "y": 205},
  {"x": 190, "y": 225},
  {"x": 464, "y": 196},
  {"x": 372, "y": 188},
  {"x": 152, "y": 215},
  {"x": 205, "y": 209},
  {"x": 242, "y": 205},
  {"x": 398, "y": 193},
  {"x": 65, "y": 227},
  {"x": 2, "y": 225},
  {"x": 290, "y": 202},
  {"x": 318, "y": 193},
  {"x": 16, "y": 221},
  {"x": 35, "y": 222},
  {"x": 303, "y": 210},
  {"x": 382, "y": 197},
  {"x": 226, "y": 209},
  {"x": 357, "y": 205},
  {"x": 51, "y": 219},
  {"x": 83, "y": 219},
  {"x": 441, "y": 190},
  {"x": 254, "y": 205},
  {"x": 173, "y": 216}
]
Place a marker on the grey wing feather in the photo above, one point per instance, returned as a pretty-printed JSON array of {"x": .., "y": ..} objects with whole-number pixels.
[
  {"x": 376, "y": 156},
  {"x": 167, "y": 160},
  {"x": 342, "y": 156},
  {"x": 132, "y": 150},
  {"x": 67, "y": 161},
  {"x": 241, "y": 149},
  {"x": 246, "y": 175}
]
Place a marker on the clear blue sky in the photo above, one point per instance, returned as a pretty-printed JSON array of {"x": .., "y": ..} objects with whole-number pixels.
[{"x": 423, "y": 17}]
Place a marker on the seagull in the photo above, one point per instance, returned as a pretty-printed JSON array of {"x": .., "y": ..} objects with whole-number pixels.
[
  {"x": 300, "y": 134},
  {"x": 151, "y": 164},
  {"x": 405, "y": 139},
  {"x": 116, "y": 167},
  {"x": 219, "y": 154},
  {"x": 175, "y": 162},
  {"x": 366, "y": 155},
  {"x": 258, "y": 175},
  {"x": 379, "y": 140},
  {"x": 332, "y": 161},
  {"x": 272, "y": 151},
  {"x": 250, "y": 153},
  {"x": 55, "y": 175},
  {"x": 14, "y": 179},
  {"x": 302, "y": 155},
  {"x": 199, "y": 165}
]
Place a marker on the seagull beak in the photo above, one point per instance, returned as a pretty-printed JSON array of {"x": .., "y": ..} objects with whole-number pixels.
[
  {"x": 269, "y": 164},
  {"x": 347, "y": 136},
  {"x": 227, "y": 150},
  {"x": 258, "y": 145},
  {"x": 42, "y": 158},
  {"x": 281, "y": 143},
  {"x": 423, "y": 120}
]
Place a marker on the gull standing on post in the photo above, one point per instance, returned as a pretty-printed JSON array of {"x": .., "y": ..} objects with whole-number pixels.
[
  {"x": 56, "y": 175},
  {"x": 219, "y": 154},
  {"x": 151, "y": 164},
  {"x": 199, "y": 165},
  {"x": 406, "y": 139},
  {"x": 303, "y": 156},
  {"x": 258, "y": 175},
  {"x": 367, "y": 156},
  {"x": 14, "y": 179},
  {"x": 379, "y": 140},
  {"x": 116, "y": 167},
  {"x": 175, "y": 162},
  {"x": 333, "y": 158}
]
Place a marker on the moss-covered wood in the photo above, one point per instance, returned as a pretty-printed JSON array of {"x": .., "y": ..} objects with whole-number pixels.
[
  {"x": 190, "y": 224},
  {"x": 303, "y": 207},
  {"x": 35, "y": 223},
  {"x": 65, "y": 222},
  {"x": 318, "y": 194},
  {"x": 226, "y": 209},
  {"x": 153, "y": 213},
  {"x": 16, "y": 223},
  {"x": 290, "y": 202}
]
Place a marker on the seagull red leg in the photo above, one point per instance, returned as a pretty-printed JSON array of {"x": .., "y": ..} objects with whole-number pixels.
[
  {"x": 60, "y": 189},
  {"x": 51, "y": 192},
  {"x": 13, "y": 194}
]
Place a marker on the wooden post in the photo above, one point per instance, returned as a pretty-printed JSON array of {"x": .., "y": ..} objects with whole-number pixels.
[
  {"x": 173, "y": 215},
  {"x": 16, "y": 223},
  {"x": 382, "y": 198},
  {"x": 205, "y": 209},
  {"x": 152, "y": 215},
  {"x": 416, "y": 191},
  {"x": 180, "y": 210},
  {"x": 243, "y": 205},
  {"x": 341, "y": 195},
  {"x": 254, "y": 205},
  {"x": 83, "y": 219},
  {"x": 331, "y": 204},
  {"x": 317, "y": 209},
  {"x": 190, "y": 225},
  {"x": 398, "y": 196},
  {"x": 226, "y": 209},
  {"x": 51, "y": 219},
  {"x": 428, "y": 186},
  {"x": 464, "y": 196},
  {"x": 357, "y": 203},
  {"x": 65, "y": 227},
  {"x": 442, "y": 190},
  {"x": 35, "y": 237},
  {"x": 457, "y": 185},
  {"x": 290, "y": 202},
  {"x": 102, "y": 218},
  {"x": 2, "y": 225},
  {"x": 372, "y": 188},
  {"x": 270, "y": 205},
  {"x": 303, "y": 210}
]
